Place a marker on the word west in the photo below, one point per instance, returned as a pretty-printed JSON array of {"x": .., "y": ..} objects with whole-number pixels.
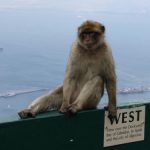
[{"x": 128, "y": 126}]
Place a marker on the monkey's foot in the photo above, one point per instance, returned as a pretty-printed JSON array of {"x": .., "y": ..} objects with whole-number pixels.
[{"x": 26, "y": 113}]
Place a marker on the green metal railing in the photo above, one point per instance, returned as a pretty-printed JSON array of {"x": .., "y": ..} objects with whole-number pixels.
[{"x": 84, "y": 131}]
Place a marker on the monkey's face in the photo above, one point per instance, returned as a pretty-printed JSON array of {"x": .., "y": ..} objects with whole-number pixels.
[{"x": 91, "y": 34}]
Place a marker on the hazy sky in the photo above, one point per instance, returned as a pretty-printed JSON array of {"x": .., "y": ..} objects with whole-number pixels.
[{"x": 118, "y": 6}]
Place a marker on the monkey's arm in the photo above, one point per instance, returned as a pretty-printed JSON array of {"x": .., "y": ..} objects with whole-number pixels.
[
  {"x": 68, "y": 90},
  {"x": 69, "y": 85},
  {"x": 111, "y": 90}
]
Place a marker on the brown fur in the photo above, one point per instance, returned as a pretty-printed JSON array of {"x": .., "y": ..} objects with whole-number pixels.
[{"x": 90, "y": 67}]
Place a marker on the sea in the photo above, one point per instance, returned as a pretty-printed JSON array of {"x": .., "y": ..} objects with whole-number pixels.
[{"x": 35, "y": 42}]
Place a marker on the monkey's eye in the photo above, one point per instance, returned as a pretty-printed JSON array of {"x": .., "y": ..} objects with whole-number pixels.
[
  {"x": 94, "y": 33},
  {"x": 90, "y": 33}
]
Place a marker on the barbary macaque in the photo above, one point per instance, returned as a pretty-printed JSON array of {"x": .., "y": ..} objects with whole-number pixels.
[{"x": 90, "y": 68}]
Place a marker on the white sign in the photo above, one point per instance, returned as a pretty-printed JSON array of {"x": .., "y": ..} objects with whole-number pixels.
[{"x": 128, "y": 126}]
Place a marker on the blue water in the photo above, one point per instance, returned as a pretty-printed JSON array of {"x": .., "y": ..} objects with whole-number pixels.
[{"x": 35, "y": 40}]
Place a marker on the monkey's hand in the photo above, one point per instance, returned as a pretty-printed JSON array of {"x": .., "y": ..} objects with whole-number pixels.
[
  {"x": 112, "y": 111},
  {"x": 74, "y": 108},
  {"x": 64, "y": 107}
]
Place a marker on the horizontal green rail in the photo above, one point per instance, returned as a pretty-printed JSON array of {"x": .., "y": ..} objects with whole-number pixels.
[{"x": 84, "y": 131}]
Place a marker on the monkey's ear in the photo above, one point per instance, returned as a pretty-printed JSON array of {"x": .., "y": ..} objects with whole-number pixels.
[
  {"x": 79, "y": 28},
  {"x": 103, "y": 28}
]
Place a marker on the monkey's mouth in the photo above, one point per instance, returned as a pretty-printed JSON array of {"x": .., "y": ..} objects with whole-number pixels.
[{"x": 88, "y": 42}]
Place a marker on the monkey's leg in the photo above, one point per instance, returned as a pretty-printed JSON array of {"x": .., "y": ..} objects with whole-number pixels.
[
  {"x": 89, "y": 96},
  {"x": 52, "y": 100}
]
